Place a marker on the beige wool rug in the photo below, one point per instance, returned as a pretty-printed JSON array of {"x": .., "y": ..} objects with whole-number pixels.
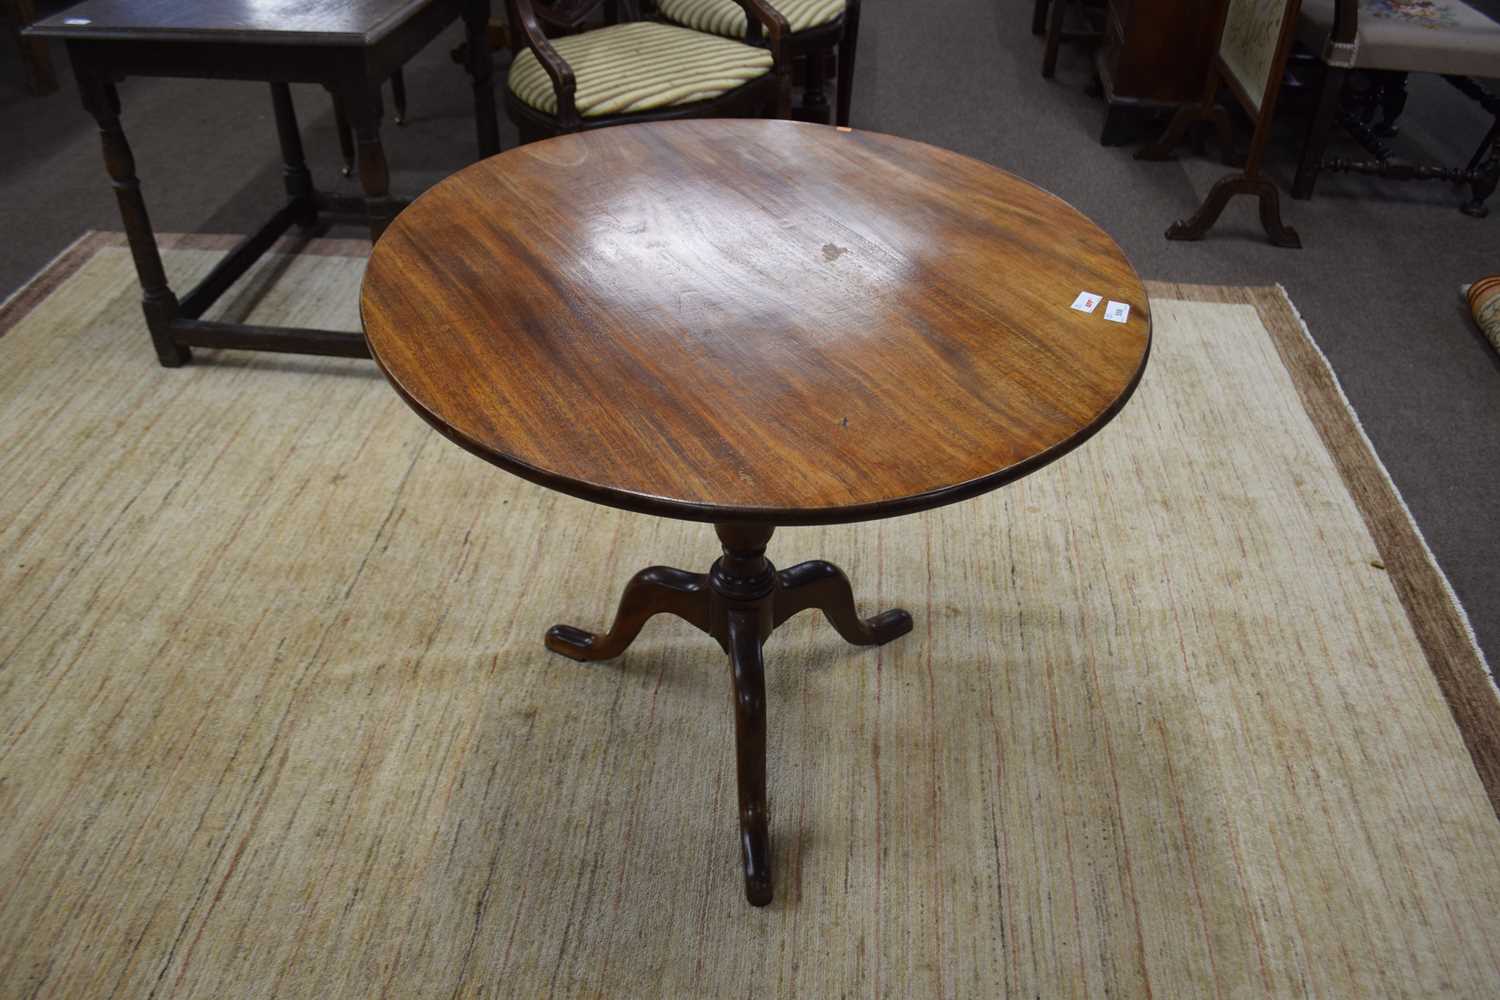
[{"x": 1189, "y": 713}]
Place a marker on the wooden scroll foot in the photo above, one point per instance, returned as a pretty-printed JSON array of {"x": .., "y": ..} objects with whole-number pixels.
[
  {"x": 1208, "y": 213},
  {"x": 1177, "y": 129},
  {"x": 739, "y": 602},
  {"x": 824, "y": 586},
  {"x": 650, "y": 592}
]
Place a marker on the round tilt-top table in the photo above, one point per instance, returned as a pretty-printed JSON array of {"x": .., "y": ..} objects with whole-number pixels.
[{"x": 752, "y": 323}]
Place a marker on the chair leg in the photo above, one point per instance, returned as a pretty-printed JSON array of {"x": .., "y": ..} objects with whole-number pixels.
[
  {"x": 847, "y": 44},
  {"x": 1039, "y": 17},
  {"x": 1481, "y": 189},
  {"x": 1315, "y": 140},
  {"x": 814, "y": 107},
  {"x": 398, "y": 97},
  {"x": 1054, "y": 38}
]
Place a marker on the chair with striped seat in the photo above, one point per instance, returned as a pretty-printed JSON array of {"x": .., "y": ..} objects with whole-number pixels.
[
  {"x": 818, "y": 28},
  {"x": 637, "y": 70}
]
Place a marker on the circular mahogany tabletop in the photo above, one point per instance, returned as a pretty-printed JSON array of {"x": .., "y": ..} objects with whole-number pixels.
[{"x": 753, "y": 321}]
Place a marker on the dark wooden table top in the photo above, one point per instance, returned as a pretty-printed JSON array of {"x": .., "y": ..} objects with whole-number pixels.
[
  {"x": 753, "y": 320},
  {"x": 324, "y": 22}
]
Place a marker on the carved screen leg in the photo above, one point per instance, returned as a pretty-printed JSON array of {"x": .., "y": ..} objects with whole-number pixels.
[
  {"x": 651, "y": 592},
  {"x": 1039, "y": 17},
  {"x": 157, "y": 300},
  {"x": 398, "y": 97},
  {"x": 1184, "y": 119},
  {"x": 294, "y": 174},
  {"x": 848, "y": 43},
  {"x": 1208, "y": 213},
  {"x": 480, "y": 62}
]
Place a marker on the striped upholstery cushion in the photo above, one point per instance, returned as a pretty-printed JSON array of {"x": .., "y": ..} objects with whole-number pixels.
[
  {"x": 727, "y": 18},
  {"x": 639, "y": 66}
]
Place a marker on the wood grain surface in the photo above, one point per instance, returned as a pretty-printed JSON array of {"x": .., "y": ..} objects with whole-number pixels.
[
  {"x": 753, "y": 320},
  {"x": 316, "y": 21}
]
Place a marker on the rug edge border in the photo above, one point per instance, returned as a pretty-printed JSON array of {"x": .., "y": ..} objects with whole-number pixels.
[
  {"x": 1437, "y": 617},
  {"x": 1461, "y": 670},
  {"x": 16, "y": 306},
  {"x": 35, "y": 289}
]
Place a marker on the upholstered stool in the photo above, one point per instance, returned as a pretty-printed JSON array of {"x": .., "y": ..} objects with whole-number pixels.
[{"x": 1390, "y": 38}]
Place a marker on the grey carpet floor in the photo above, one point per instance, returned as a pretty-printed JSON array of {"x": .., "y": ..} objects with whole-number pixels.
[{"x": 1377, "y": 281}]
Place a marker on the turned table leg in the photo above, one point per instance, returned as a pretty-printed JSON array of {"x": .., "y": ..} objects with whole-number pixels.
[
  {"x": 363, "y": 105},
  {"x": 157, "y": 300},
  {"x": 346, "y": 136},
  {"x": 739, "y": 602},
  {"x": 480, "y": 63},
  {"x": 294, "y": 173}
]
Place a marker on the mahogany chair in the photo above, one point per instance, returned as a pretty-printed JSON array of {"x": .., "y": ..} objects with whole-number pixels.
[
  {"x": 818, "y": 29},
  {"x": 1367, "y": 48},
  {"x": 633, "y": 70}
]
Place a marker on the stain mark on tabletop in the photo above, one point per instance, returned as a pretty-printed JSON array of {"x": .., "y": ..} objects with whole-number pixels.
[{"x": 832, "y": 252}]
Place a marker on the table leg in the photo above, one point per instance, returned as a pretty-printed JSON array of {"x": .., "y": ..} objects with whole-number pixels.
[
  {"x": 747, "y": 668},
  {"x": 295, "y": 176},
  {"x": 157, "y": 300},
  {"x": 480, "y": 63},
  {"x": 362, "y": 104},
  {"x": 346, "y": 136},
  {"x": 739, "y": 602},
  {"x": 398, "y": 96}
]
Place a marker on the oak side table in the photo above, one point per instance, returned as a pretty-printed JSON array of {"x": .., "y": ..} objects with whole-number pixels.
[
  {"x": 752, "y": 323},
  {"x": 349, "y": 46}
]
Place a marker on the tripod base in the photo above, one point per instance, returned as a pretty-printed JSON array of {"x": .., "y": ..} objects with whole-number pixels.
[{"x": 739, "y": 601}]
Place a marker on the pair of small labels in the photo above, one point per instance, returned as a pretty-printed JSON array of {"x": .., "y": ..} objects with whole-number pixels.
[{"x": 1115, "y": 312}]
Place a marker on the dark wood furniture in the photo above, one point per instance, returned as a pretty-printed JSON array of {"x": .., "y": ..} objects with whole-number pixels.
[
  {"x": 751, "y": 323},
  {"x": 1363, "y": 66},
  {"x": 531, "y": 20},
  {"x": 813, "y": 45},
  {"x": 36, "y": 61},
  {"x": 1152, "y": 57},
  {"x": 1243, "y": 24},
  {"x": 346, "y": 130},
  {"x": 348, "y": 46}
]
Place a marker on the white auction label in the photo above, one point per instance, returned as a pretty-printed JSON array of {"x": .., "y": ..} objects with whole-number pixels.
[
  {"x": 1116, "y": 312},
  {"x": 1086, "y": 302}
]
